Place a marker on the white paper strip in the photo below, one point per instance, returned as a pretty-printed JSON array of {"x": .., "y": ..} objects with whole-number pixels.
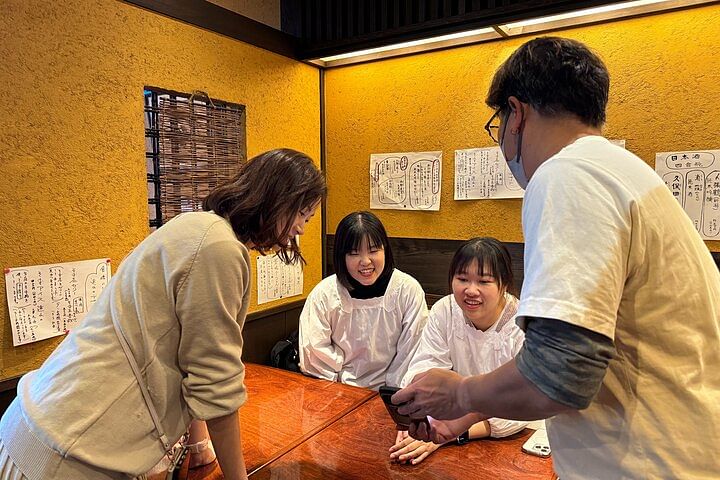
[
  {"x": 405, "y": 181},
  {"x": 276, "y": 280},
  {"x": 482, "y": 173},
  {"x": 693, "y": 177},
  {"x": 48, "y": 300}
]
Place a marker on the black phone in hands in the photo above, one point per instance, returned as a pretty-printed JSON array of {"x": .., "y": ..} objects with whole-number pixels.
[{"x": 402, "y": 421}]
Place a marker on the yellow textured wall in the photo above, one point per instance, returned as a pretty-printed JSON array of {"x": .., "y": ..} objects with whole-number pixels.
[
  {"x": 72, "y": 137},
  {"x": 665, "y": 86}
]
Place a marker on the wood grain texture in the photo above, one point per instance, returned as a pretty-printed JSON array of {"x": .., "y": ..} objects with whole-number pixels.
[
  {"x": 284, "y": 409},
  {"x": 356, "y": 447}
]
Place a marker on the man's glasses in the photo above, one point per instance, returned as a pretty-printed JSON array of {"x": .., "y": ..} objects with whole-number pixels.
[{"x": 492, "y": 127}]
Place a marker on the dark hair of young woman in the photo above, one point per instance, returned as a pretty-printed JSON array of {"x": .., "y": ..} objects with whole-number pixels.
[
  {"x": 270, "y": 189},
  {"x": 349, "y": 235},
  {"x": 493, "y": 259}
]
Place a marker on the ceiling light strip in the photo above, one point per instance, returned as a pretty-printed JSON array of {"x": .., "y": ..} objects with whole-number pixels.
[{"x": 552, "y": 22}]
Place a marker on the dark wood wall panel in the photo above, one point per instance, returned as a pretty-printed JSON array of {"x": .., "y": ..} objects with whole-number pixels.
[
  {"x": 428, "y": 260},
  {"x": 264, "y": 329},
  {"x": 215, "y": 18},
  {"x": 326, "y": 27}
]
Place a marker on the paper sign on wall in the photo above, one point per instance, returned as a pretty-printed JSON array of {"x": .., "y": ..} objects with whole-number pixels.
[
  {"x": 275, "y": 280},
  {"x": 48, "y": 300},
  {"x": 693, "y": 177},
  {"x": 406, "y": 181},
  {"x": 482, "y": 173}
]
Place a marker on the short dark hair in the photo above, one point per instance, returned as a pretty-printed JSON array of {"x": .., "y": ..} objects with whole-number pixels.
[
  {"x": 492, "y": 256},
  {"x": 554, "y": 75},
  {"x": 349, "y": 235},
  {"x": 270, "y": 188}
]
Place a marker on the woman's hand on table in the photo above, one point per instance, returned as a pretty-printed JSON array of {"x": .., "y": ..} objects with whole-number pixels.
[{"x": 409, "y": 450}]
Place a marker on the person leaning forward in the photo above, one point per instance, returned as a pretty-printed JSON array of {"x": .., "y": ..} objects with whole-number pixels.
[
  {"x": 175, "y": 310},
  {"x": 621, "y": 298}
]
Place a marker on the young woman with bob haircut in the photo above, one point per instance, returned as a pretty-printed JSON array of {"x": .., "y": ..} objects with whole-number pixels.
[
  {"x": 471, "y": 331},
  {"x": 362, "y": 325}
]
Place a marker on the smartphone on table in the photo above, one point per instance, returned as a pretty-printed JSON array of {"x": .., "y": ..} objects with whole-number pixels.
[
  {"x": 538, "y": 443},
  {"x": 402, "y": 421}
]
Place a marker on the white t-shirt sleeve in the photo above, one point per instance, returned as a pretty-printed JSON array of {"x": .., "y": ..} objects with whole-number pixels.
[
  {"x": 513, "y": 337},
  {"x": 415, "y": 315},
  {"x": 499, "y": 427},
  {"x": 433, "y": 350},
  {"x": 576, "y": 245},
  {"x": 319, "y": 356}
]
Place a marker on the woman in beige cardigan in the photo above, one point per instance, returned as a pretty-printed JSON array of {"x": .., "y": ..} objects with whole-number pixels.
[{"x": 175, "y": 309}]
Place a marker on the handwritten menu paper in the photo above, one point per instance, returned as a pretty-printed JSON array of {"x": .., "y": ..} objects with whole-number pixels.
[
  {"x": 405, "y": 181},
  {"x": 693, "y": 177},
  {"x": 276, "y": 280},
  {"x": 48, "y": 300},
  {"x": 482, "y": 173}
]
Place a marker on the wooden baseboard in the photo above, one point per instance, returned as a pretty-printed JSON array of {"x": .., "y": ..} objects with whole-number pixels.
[
  {"x": 9, "y": 383},
  {"x": 269, "y": 312}
]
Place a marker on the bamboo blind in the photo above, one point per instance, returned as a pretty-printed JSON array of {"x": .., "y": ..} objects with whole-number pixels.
[{"x": 201, "y": 145}]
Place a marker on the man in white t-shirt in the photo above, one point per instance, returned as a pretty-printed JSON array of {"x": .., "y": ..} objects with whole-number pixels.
[{"x": 621, "y": 298}]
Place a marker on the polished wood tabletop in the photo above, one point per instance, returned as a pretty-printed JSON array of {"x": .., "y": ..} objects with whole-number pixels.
[
  {"x": 284, "y": 409},
  {"x": 356, "y": 447}
]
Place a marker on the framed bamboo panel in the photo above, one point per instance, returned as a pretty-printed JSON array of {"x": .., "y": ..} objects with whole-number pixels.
[{"x": 193, "y": 144}]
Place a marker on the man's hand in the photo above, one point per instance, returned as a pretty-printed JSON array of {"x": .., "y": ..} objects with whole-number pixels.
[
  {"x": 443, "y": 431},
  {"x": 435, "y": 393}
]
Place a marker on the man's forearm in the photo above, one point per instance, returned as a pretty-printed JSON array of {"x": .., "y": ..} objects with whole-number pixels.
[{"x": 506, "y": 393}]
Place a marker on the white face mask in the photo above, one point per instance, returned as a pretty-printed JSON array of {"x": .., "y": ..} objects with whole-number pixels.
[{"x": 515, "y": 165}]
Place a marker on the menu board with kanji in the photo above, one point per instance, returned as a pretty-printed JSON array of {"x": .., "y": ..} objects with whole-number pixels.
[
  {"x": 693, "y": 177},
  {"x": 276, "y": 280},
  {"x": 482, "y": 173},
  {"x": 48, "y": 300},
  {"x": 406, "y": 181}
]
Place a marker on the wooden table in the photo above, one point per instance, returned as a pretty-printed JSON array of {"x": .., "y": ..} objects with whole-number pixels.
[
  {"x": 283, "y": 410},
  {"x": 356, "y": 447}
]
